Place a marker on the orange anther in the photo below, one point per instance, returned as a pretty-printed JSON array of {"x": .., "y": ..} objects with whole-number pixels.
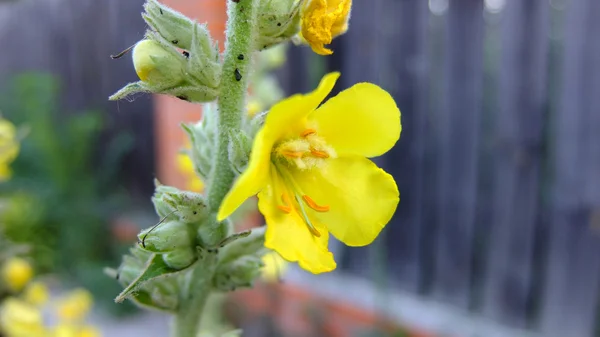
[
  {"x": 308, "y": 132},
  {"x": 292, "y": 154},
  {"x": 285, "y": 209},
  {"x": 319, "y": 154},
  {"x": 312, "y": 204}
]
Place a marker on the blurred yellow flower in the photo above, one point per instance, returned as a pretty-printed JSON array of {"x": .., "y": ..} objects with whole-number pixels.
[
  {"x": 274, "y": 267},
  {"x": 65, "y": 330},
  {"x": 75, "y": 305},
  {"x": 89, "y": 331},
  {"x": 322, "y": 20},
  {"x": 253, "y": 107},
  {"x": 9, "y": 147},
  {"x": 310, "y": 170},
  {"x": 16, "y": 273},
  {"x": 36, "y": 293},
  {"x": 21, "y": 319},
  {"x": 186, "y": 166}
]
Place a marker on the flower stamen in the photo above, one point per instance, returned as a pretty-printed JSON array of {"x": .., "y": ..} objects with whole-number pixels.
[
  {"x": 309, "y": 224},
  {"x": 286, "y": 207},
  {"x": 319, "y": 154},
  {"x": 308, "y": 132},
  {"x": 312, "y": 204},
  {"x": 292, "y": 154}
]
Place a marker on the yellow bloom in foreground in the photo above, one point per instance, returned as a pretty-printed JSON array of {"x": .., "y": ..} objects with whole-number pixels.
[
  {"x": 16, "y": 272},
  {"x": 186, "y": 166},
  {"x": 9, "y": 147},
  {"x": 274, "y": 267},
  {"x": 36, "y": 293},
  {"x": 89, "y": 331},
  {"x": 20, "y": 319},
  {"x": 75, "y": 306},
  {"x": 309, "y": 170},
  {"x": 322, "y": 20}
]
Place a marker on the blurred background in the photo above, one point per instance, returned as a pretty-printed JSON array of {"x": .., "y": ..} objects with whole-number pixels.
[{"x": 498, "y": 228}]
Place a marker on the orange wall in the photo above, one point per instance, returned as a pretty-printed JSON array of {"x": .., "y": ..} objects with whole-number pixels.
[{"x": 170, "y": 112}]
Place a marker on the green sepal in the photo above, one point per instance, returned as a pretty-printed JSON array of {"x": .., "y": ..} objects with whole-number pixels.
[{"x": 155, "y": 268}]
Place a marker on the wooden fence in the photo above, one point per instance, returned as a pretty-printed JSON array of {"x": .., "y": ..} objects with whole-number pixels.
[
  {"x": 498, "y": 164},
  {"x": 499, "y": 160}
]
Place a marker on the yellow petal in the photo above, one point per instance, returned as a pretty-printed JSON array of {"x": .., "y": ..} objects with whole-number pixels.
[
  {"x": 362, "y": 120},
  {"x": 288, "y": 234},
  {"x": 285, "y": 118},
  {"x": 361, "y": 197},
  {"x": 274, "y": 266}
]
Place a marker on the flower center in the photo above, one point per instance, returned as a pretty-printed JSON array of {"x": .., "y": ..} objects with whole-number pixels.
[{"x": 305, "y": 152}]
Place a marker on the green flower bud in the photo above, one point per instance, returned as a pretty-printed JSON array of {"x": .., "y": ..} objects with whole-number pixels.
[
  {"x": 155, "y": 64},
  {"x": 278, "y": 21},
  {"x": 190, "y": 207},
  {"x": 167, "y": 237},
  {"x": 212, "y": 234},
  {"x": 170, "y": 24},
  {"x": 163, "y": 209},
  {"x": 239, "y": 151},
  {"x": 180, "y": 259},
  {"x": 239, "y": 273}
]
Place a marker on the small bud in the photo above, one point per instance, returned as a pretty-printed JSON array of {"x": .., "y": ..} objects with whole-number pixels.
[
  {"x": 212, "y": 234},
  {"x": 278, "y": 21},
  {"x": 190, "y": 207},
  {"x": 162, "y": 69},
  {"x": 155, "y": 64},
  {"x": 239, "y": 273},
  {"x": 180, "y": 259},
  {"x": 239, "y": 151},
  {"x": 167, "y": 237},
  {"x": 170, "y": 24}
]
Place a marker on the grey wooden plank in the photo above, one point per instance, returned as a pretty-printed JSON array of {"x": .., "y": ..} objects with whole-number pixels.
[
  {"x": 517, "y": 156},
  {"x": 405, "y": 76},
  {"x": 573, "y": 272},
  {"x": 459, "y": 135}
]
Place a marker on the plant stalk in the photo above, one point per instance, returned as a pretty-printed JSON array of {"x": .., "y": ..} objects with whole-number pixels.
[{"x": 239, "y": 46}]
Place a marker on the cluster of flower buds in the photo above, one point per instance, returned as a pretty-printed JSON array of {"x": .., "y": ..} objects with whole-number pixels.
[{"x": 177, "y": 58}]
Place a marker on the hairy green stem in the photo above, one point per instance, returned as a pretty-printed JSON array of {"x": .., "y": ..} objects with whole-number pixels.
[
  {"x": 232, "y": 96},
  {"x": 193, "y": 299},
  {"x": 231, "y": 105}
]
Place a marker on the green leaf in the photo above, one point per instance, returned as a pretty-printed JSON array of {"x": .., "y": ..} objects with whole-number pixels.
[{"x": 155, "y": 268}]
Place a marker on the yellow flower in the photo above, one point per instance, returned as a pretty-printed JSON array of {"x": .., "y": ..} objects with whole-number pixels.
[
  {"x": 274, "y": 267},
  {"x": 75, "y": 305},
  {"x": 9, "y": 147},
  {"x": 186, "y": 166},
  {"x": 322, "y": 20},
  {"x": 36, "y": 293},
  {"x": 309, "y": 170},
  {"x": 20, "y": 319},
  {"x": 89, "y": 331},
  {"x": 253, "y": 107},
  {"x": 16, "y": 272}
]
